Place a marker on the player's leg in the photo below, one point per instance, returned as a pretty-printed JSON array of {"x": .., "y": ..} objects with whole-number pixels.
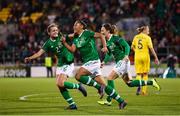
[
  {"x": 110, "y": 82},
  {"x": 82, "y": 77},
  {"x": 111, "y": 92},
  {"x": 144, "y": 88},
  {"x": 90, "y": 68},
  {"x": 62, "y": 82},
  {"x": 64, "y": 92}
]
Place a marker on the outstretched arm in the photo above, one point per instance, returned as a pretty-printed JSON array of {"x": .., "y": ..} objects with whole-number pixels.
[{"x": 34, "y": 56}]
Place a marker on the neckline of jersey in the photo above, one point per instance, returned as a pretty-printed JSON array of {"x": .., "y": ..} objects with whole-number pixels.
[{"x": 81, "y": 33}]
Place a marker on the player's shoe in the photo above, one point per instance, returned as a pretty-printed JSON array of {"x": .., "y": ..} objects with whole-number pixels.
[
  {"x": 101, "y": 91},
  {"x": 82, "y": 90},
  {"x": 138, "y": 92},
  {"x": 122, "y": 105},
  {"x": 71, "y": 107},
  {"x": 155, "y": 84},
  {"x": 104, "y": 102}
]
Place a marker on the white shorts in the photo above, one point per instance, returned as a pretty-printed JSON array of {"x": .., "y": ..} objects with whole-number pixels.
[
  {"x": 122, "y": 67},
  {"x": 65, "y": 69},
  {"x": 93, "y": 67}
]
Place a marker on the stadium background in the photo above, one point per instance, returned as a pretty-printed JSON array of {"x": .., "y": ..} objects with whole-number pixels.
[
  {"x": 23, "y": 31},
  {"x": 23, "y": 24}
]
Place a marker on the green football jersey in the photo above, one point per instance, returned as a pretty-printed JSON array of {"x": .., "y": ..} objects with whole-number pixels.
[
  {"x": 117, "y": 47},
  {"x": 85, "y": 44},
  {"x": 56, "y": 47}
]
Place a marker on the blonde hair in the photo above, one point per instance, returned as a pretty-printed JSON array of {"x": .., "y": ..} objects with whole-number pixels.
[
  {"x": 50, "y": 26},
  {"x": 115, "y": 29},
  {"x": 140, "y": 29}
]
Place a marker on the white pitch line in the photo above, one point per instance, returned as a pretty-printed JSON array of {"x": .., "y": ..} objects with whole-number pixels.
[{"x": 23, "y": 98}]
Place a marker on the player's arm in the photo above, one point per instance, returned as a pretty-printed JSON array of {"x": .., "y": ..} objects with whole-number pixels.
[
  {"x": 71, "y": 48},
  {"x": 126, "y": 46},
  {"x": 133, "y": 45},
  {"x": 150, "y": 46},
  {"x": 55, "y": 60},
  {"x": 155, "y": 56},
  {"x": 103, "y": 41},
  {"x": 34, "y": 56},
  {"x": 70, "y": 36}
]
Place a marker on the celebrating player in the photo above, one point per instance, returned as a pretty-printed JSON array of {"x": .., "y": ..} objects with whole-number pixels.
[
  {"x": 65, "y": 64},
  {"x": 119, "y": 49},
  {"x": 84, "y": 41},
  {"x": 141, "y": 45}
]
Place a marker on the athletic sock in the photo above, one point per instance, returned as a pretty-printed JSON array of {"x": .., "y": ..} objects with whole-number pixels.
[
  {"x": 112, "y": 93},
  {"x": 111, "y": 84},
  {"x": 87, "y": 80},
  {"x": 66, "y": 96},
  {"x": 144, "y": 88},
  {"x": 70, "y": 85}
]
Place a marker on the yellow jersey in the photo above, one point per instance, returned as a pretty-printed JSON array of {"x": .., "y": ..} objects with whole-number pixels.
[{"x": 141, "y": 44}]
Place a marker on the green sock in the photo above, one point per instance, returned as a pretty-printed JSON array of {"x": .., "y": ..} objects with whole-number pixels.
[
  {"x": 70, "y": 85},
  {"x": 112, "y": 93},
  {"x": 87, "y": 80},
  {"x": 137, "y": 83},
  {"x": 111, "y": 84},
  {"x": 67, "y": 97}
]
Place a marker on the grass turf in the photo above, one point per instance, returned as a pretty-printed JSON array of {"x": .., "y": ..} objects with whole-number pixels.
[{"x": 42, "y": 97}]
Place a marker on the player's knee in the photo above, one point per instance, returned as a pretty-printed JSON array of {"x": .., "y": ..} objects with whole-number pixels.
[
  {"x": 77, "y": 77},
  {"x": 60, "y": 83}
]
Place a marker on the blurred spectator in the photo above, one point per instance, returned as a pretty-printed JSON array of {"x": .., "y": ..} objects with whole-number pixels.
[{"x": 163, "y": 15}]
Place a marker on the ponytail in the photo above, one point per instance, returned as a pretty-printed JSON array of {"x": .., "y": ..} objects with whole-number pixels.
[{"x": 140, "y": 29}]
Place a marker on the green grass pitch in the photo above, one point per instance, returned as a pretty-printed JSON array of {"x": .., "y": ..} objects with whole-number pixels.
[{"x": 41, "y": 96}]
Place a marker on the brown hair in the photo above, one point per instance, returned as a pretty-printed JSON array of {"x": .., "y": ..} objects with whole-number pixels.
[
  {"x": 50, "y": 26},
  {"x": 140, "y": 29},
  {"x": 108, "y": 27},
  {"x": 82, "y": 23}
]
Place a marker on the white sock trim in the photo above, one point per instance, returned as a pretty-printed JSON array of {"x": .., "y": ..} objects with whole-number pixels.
[
  {"x": 94, "y": 84},
  {"x": 112, "y": 92},
  {"x": 89, "y": 80},
  {"x": 140, "y": 82},
  {"x": 69, "y": 99},
  {"x": 74, "y": 86},
  {"x": 117, "y": 97},
  {"x": 72, "y": 103}
]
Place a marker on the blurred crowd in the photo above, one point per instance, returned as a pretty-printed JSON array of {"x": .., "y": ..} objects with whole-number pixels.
[{"x": 29, "y": 36}]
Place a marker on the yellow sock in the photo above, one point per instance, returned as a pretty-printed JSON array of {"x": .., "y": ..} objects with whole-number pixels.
[
  {"x": 144, "y": 88},
  {"x": 138, "y": 77}
]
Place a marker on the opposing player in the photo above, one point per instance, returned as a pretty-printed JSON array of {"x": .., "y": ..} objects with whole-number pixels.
[
  {"x": 141, "y": 45},
  {"x": 65, "y": 64},
  {"x": 84, "y": 41},
  {"x": 119, "y": 49}
]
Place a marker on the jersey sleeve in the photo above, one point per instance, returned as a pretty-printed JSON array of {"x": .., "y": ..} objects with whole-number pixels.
[
  {"x": 91, "y": 33},
  {"x": 45, "y": 46},
  {"x": 126, "y": 46},
  {"x": 150, "y": 43}
]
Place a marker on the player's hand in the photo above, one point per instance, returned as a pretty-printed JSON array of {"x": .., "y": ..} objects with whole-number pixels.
[
  {"x": 63, "y": 39},
  {"x": 27, "y": 59},
  {"x": 126, "y": 58},
  {"x": 104, "y": 49},
  {"x": 71, "y": 35},
  {"x": 102, "y": 64},
  {"x": 156, "y": 61}
]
